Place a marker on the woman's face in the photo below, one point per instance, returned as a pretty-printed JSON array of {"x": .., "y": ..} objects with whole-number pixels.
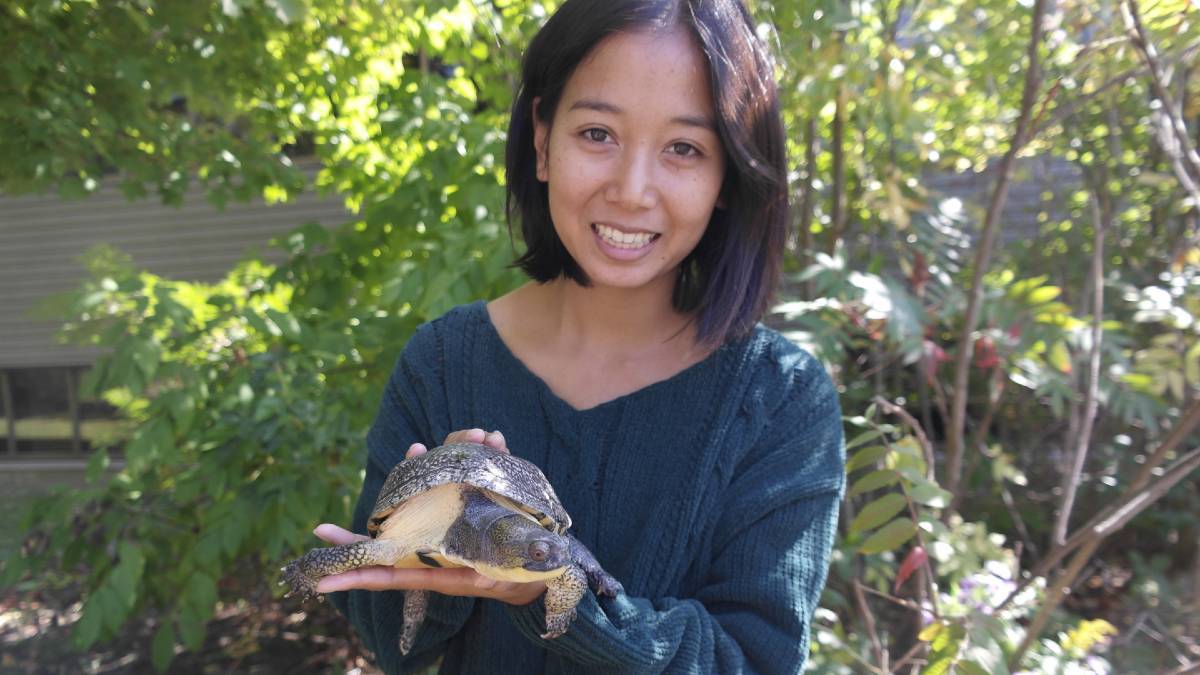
[{"x": 632, "y": 161}]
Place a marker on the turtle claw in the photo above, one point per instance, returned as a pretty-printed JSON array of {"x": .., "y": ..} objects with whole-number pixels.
[
  {"x": 298, "y": 582},
  {"x": 606, "y": 584}
]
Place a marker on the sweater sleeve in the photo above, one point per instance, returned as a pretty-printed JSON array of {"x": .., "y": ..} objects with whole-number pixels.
[
  {"x": 769, "y": 559},
  {"x": 405, "y": 416}
]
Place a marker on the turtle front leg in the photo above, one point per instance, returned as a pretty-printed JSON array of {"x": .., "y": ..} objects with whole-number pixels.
[
  {"x": 302, "y": 574},
  {"x": 562, "y": 594},
  {"x": 601, "y": 582}
]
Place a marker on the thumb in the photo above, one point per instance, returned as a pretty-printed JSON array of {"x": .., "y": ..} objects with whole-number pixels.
[{"x": 339, "y": 536}]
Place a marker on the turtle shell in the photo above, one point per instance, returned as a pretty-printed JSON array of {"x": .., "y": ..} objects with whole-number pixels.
[{"x": 512, "y": 482}]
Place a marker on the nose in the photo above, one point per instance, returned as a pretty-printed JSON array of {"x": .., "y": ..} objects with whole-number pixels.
[{"x": 633, "y": 185}]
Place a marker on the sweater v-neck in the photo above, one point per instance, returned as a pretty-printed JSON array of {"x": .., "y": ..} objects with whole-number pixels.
[{"x": 673, "y": 383}]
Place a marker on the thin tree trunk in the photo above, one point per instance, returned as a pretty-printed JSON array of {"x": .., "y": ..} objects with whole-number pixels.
[
  {"x": 1173, "y": 130},
  {"x": 1137, "y": 494},
  {"x": 837, "y": 207},
  {"x": 1115, "y": 518},
  {"x": 962, "y": 362},
  {"x": 808, "y": 201},
  {"x": 1101, "y": 214}
]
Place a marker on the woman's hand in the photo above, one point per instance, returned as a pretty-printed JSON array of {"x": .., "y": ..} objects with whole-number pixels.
[
  {"x": 460, "y": 581},
  {"x": 494, "y": 439}
]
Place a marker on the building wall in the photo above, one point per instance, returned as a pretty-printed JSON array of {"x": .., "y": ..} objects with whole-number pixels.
[
  {"x": 42, "y": 241},
  {"x": 43, "y": 237}
]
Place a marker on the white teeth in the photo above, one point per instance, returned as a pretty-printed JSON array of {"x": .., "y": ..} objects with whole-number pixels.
[{"x": 621, "y": 239}]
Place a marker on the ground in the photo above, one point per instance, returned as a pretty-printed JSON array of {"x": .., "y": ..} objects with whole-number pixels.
[{"x": 261, "y": 636}]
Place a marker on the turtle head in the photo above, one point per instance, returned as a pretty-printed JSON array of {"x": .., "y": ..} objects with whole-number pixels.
[{"x": 522, "y": 543}]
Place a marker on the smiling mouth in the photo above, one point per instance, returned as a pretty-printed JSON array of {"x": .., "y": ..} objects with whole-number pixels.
[{"x": 618, "y": 239}]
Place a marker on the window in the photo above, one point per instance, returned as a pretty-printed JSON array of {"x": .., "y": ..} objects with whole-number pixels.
[{"x": 43, "y": 414}]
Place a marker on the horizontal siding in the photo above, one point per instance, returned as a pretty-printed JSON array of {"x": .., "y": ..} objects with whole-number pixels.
[
  {"x": 43, "y": 238},
  {"x": 1031, "y": 178}
]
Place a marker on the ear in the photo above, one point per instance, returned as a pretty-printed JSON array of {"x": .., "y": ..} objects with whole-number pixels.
[{"x": 541, "y": 136}]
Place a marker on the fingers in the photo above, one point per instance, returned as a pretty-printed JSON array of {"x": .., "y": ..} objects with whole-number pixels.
[
  {"x": 453, "y": 581},
  {"x": 466, "y": 436},
  {"x": 459, "y": 581},
  {"x": 338, "y": 536},
  {"x": 493, "y": 439},
  {"x": 415, "y": 449}
]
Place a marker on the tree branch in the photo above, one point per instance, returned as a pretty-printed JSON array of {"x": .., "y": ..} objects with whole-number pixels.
[
  {"x": 881, "y": 655},
  {"x": 1098, "y": 527},
  {"x": 1173, "y": 133},
  {"x": 1114, "y": 519},
  {"x": 962, "y": 362},
  {"x": 1091, "y": 397}
]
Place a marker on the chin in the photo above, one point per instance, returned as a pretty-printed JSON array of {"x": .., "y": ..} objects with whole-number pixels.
[{"x": 629, "y": 282}]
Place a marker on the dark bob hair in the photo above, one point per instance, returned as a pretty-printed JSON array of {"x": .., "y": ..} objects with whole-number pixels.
[{"x": 728, "y": 279}]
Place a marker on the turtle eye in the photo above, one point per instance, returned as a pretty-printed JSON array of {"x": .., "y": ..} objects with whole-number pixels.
[{"x": 539, "y": 551}]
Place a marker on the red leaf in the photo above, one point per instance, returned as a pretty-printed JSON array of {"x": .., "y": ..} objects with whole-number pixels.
[
  {"x": 935, "y": 356},
  {"x": 920, "y": 273},
  {"x": 986, "y": 357},
  {"x": 912, "y": 562}
]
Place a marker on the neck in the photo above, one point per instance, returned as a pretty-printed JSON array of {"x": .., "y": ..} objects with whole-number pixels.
[{"x": 616, "y": 319}]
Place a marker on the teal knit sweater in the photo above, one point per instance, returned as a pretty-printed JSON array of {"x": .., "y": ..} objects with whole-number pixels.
[{"x": 712, "y": 496}]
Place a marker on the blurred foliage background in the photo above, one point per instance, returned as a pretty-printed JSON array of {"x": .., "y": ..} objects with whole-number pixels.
[{"x": 1021, "y": 394}]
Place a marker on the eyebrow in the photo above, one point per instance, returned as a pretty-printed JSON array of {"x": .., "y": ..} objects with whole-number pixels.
[{"x": 601, "y": 106}]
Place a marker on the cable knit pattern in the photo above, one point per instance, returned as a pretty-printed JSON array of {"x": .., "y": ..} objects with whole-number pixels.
[{"x": 712, "y": 496}]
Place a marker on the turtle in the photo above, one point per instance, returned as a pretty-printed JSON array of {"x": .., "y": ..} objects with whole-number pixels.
[{"x": 467, "y": 505}]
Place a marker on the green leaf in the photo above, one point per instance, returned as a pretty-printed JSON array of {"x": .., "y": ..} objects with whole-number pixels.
[
  {"x": 231, "y": 535},
  {"x": 208, "y": 549},
  {"x": 865, "y": 457},
  {"x": 984, "y": 654},
  {"x": 87, "y": 629},
  {"x": 262, "y": 325},
  {"x": 146, "y": 355},
  {"x": 864, "y": 437},
  {"x": 96, "y": 466},
  {"x": 877, "y": 512},
  {"x": 949, "y": 639},
  {"x": 288, "y": 325},
  {"x": 1044, "y": 294},
  {"x": 889, "y": 537},
  {"x": 290, "y": 11},
  {"x": 112, "y": 612},
  {"x": 1060, "y": 356},
  {"x": 125, "y": 576},
  {"x": 163, "y": 649},
  {"x": 939, "y": 664},
  {"x": 1191, "y": 364},
  {"x": 930, "y": 632},
  {"x": 873, "y": 481},
  {"x": 929, "y": 494},
  {"x": 201, "y": 591},
  {"x": 191, "y": 627}
]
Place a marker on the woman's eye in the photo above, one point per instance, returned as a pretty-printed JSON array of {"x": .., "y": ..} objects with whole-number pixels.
[
  {"x": 684, "y": 149},
  {"x": 595, "y": 135}
]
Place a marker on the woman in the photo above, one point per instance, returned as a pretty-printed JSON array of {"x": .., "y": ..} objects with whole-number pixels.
[{"x": 699, "y": 454}]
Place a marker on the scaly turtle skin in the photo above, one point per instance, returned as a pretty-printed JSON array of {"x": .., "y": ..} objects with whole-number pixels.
[{"x": 467, "y": 505}]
